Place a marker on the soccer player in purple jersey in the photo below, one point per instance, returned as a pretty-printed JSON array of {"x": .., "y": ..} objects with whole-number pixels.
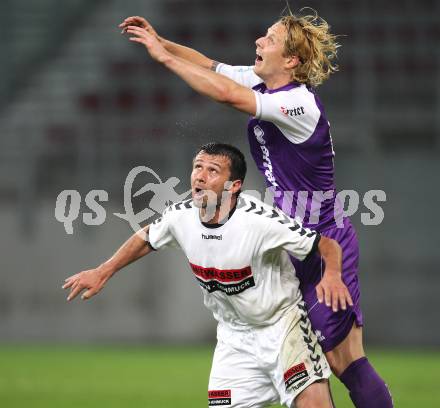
[{"x": 290, "y": 140}]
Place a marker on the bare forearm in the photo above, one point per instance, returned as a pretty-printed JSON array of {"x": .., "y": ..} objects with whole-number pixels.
[
  {"x": 331, "y": 252},
  {"x": 186, "y": 53},
  {"x": 213, "y": 85},
  {"x": 134, "y": 248},
  {"x": 93, "y": 280},
  {"x": 331, "y": 288},
  {"x": 202, "y": 80}
]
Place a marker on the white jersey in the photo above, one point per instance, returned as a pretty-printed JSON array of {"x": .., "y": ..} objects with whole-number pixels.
[{"x": 242, "y": 266}]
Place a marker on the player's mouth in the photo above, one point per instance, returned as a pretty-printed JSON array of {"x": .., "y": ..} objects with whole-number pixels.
[
  {"x": 258, "y": 59},
  {"x": 198, "y": 192}
]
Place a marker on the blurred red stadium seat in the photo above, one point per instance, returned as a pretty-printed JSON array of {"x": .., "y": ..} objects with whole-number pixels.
[
  {"x": 126, "y": 99},
  {"x": 184, "y": 34},
  {"x": 61, "y": 134},
  {"x": 91, "y": 102},
  {"x": 161, "y": 100},
  {"x": 221, "y": 35}
]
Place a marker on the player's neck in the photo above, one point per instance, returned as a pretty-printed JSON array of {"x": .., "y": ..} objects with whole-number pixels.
[
  {"x": 277, "y": 81},
  {"x": 221, "y": 213}
]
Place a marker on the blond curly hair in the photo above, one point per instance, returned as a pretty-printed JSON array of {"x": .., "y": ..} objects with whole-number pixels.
[{"x": 309, "y": 38}]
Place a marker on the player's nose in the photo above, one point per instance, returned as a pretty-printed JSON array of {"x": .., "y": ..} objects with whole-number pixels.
[{"x": 201, "y": 176}]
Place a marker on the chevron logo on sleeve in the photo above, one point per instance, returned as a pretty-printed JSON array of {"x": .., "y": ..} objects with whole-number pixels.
[
  {"x": 183, "y": 204},
  {"x": 251, "y": 207}
]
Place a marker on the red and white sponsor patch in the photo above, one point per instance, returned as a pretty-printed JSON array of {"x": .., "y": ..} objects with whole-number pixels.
[
  {"x": 295, "y": 374},
  {"x": 219, "y": 397},
  {"x": 221, "y": 275},
  {"x": 230, "y": 281}
]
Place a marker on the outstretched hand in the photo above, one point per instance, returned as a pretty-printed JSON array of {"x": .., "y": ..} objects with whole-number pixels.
[
  {"x": 150, "y": 41},
  {"x": 140, "y": 22},
  {"x": 333, "y": 292},
  {"x": 92, "y": 280}
]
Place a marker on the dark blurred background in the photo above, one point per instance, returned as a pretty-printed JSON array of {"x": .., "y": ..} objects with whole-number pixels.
[{"x": 80, "y": 106}]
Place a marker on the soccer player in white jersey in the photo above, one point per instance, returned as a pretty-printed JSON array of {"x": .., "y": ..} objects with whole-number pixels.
[
  {"x": 236, "y": 246},
  {"x": 290, "y": 141}
]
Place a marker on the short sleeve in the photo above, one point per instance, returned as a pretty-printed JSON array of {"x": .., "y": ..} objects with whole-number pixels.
[
  {"x": 286, "y": 233},
  {"x": 294, "y": 112},
  {"x": 243, "y": 75},
  {"x": 161, "y": 232}
]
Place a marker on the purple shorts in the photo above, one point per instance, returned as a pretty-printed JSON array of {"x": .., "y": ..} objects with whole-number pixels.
[{"x": 331, "y": 328}]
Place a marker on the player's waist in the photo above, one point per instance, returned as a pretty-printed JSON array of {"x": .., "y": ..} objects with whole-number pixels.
[
  {"x": 226, "y": 328},
  {"x": 247, "y": 324}
]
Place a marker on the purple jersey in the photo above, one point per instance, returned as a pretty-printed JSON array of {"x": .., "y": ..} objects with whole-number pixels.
[{"x": 291, "y": 144}]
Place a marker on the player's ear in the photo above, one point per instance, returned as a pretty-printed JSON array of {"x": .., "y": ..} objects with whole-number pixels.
[
  {"x": 235, "y": 186},
  {"x": 292, "y": 62}
]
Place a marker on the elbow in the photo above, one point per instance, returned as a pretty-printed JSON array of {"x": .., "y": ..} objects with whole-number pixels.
[
  {"x": 328, "y": 244},
  {"x": 227, "y": 93},
  {"x": 335, "y": 244},
  {"x": 237, "y": 97},
  {"x": 337, "y": 247},
  {"x": 224, "y": 95}
]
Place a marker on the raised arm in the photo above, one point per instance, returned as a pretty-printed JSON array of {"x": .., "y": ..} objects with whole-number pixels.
[
  {"x": 178, "y": 50},
  {"x": 202, "y": 80},
  {"x": 331, "y": 289},
  {"x": 93, "y": 280}
]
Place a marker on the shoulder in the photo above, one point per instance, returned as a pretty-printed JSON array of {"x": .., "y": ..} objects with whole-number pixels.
[
  {"x": 295, "y": 111},
  {"x": 244, "y": 75},
  {"x": 293, "y": 101},
  {"x": 300, "y": 95},
  {"x": 182, "y": 206},
  {"x": 176, "y": 211},
  {"x": 301, "y": 105},
  {"x": 256, "y": 211},
  {"x": 266, "y": 216}
]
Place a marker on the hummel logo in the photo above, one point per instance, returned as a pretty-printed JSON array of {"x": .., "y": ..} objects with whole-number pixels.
[
  {"x": 293, "y": 112},
  {"x": 218, "y": 237},
  {"x": 319, "y": 335}
]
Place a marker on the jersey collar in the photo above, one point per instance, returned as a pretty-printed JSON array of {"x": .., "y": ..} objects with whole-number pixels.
[
  {"x": 223, "y": 221},
  {"x": 288, "y": 87}
]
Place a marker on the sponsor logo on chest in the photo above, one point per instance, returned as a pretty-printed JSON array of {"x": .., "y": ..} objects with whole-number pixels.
[
  {"x": 229, "y": 281},
  {"x": 259, "y": 135},
  {"x": 293, "y": 112},
  {"x": 267, "y": 163},
  {"x": 212, "y": 236}
]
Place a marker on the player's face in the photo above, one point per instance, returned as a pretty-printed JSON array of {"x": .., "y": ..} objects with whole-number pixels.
[
  {"x": 270, "y": 61},
  {"x": 210, "y": 175}
]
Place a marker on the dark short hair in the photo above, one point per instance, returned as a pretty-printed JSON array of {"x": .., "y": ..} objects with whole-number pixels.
[{"x": 238, "y": 163}]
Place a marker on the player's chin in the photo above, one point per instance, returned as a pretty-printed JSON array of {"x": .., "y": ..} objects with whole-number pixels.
[
  {"x": 257, "y": 68},
  {"x": 198, "y": 201}
]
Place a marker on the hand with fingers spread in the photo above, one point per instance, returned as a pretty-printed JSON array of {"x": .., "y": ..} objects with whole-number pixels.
[
  {"x": 140, "y": 22},
  {"x": 92, "y": 281},
  {"x": 175, "y": 49},
  {"x": 155, "y": 48},
  {"x": 333, "y": 291}
]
